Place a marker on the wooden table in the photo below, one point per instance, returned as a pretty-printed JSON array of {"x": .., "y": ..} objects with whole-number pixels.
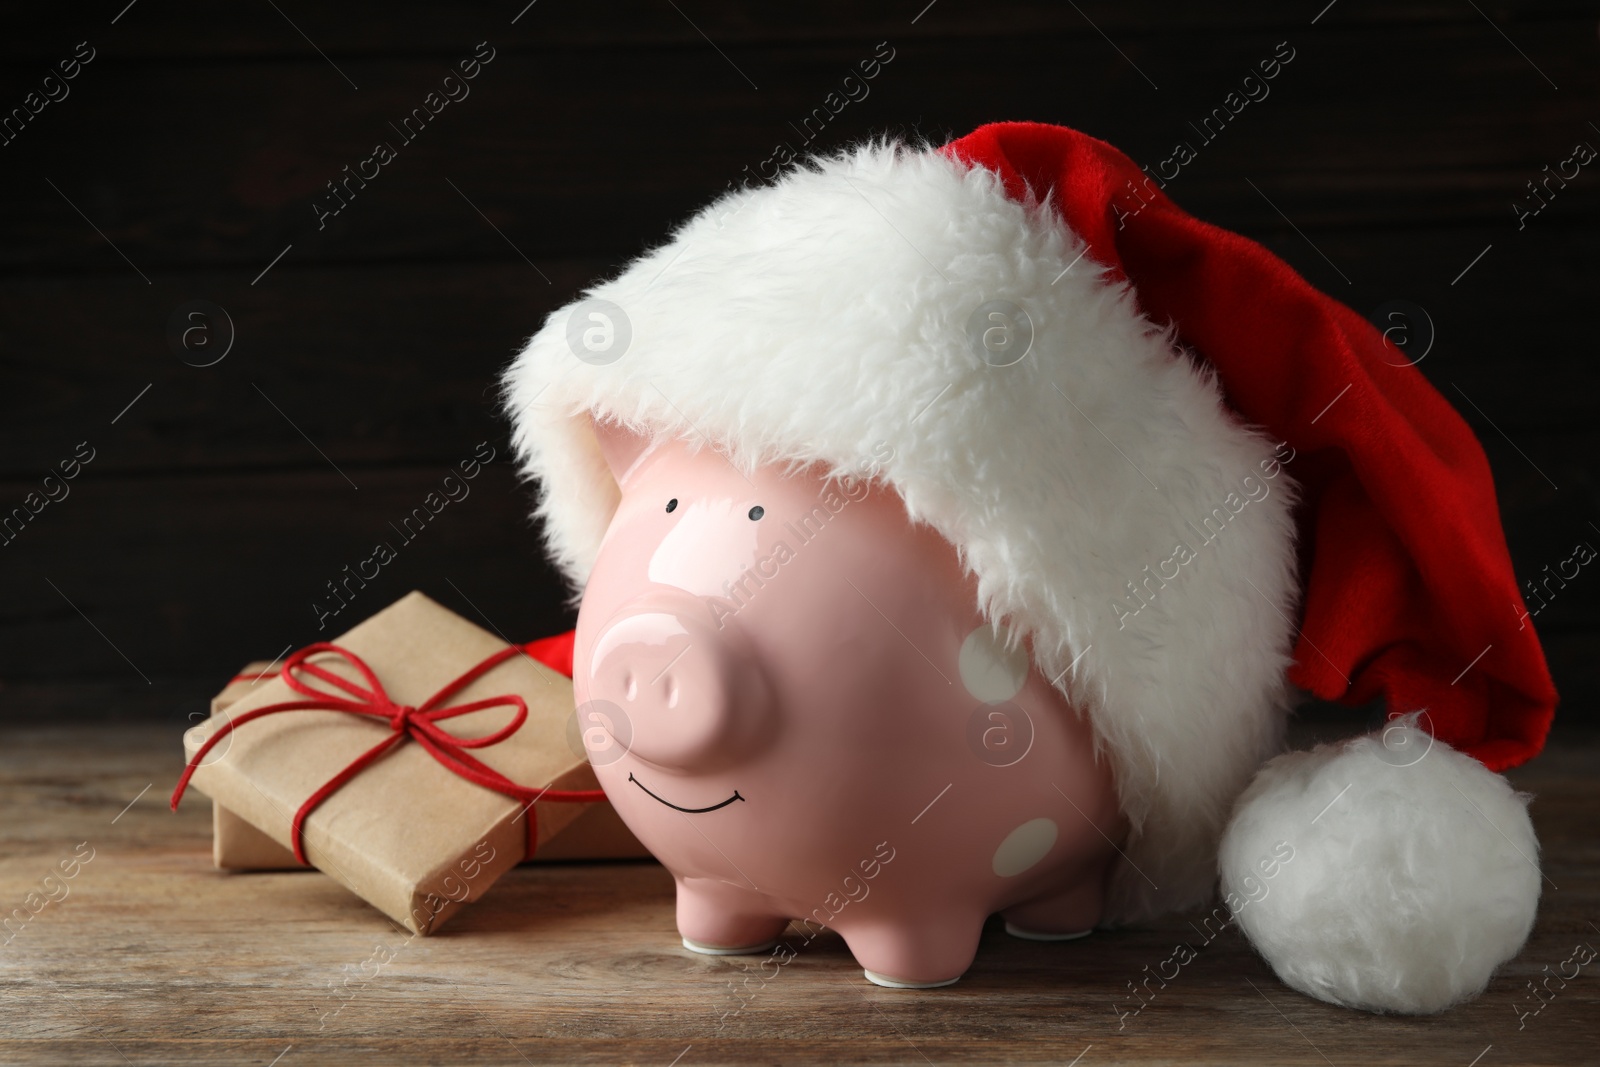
[{"x": 154, "y": 957}]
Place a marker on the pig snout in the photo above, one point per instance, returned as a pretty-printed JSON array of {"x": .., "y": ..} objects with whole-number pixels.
[{"x": 694, "y": 695}]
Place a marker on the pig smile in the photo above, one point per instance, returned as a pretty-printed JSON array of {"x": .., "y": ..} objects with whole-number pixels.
[{"x": 691, "y": 811}]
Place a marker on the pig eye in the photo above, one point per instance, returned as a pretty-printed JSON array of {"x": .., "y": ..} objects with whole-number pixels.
[
  {"x": 672, "y": 505},
  {"x": 756, "y": 512}
]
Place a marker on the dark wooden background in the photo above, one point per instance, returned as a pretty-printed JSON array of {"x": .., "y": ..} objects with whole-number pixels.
[{"x": 192, "y": 148}]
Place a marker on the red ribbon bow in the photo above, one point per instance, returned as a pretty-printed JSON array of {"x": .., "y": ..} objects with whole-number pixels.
[{"x": 419, "y": 723}]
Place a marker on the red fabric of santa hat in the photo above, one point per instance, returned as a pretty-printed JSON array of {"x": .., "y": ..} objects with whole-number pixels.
[{"x": 1409, "y": 589}]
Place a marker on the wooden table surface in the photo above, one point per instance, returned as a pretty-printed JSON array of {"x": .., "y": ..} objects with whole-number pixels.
[{"x": 153, "y": 957}]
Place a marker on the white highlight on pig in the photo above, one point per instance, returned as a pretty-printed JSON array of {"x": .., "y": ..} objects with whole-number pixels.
[
  {"x": 649, "y": 628},
  {"x": 1024, "y": 847},
  {"x": 990, "y": 671},
  {"x": 713, "y": 544}
]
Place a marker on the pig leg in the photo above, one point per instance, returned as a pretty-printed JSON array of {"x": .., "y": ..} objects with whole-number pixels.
[
  {"x": 1061, "y": 916},
  {"x": 915, "y": 952},
  {"x": 719, "y": 919}
]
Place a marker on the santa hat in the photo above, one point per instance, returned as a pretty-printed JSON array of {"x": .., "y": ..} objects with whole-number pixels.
[{"x": 1127, "y": 421}]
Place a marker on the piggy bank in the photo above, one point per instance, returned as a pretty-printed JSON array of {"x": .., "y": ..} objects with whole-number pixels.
[
  {"x": 791, "y": 697},
  {"x": 957, "y": 528}
]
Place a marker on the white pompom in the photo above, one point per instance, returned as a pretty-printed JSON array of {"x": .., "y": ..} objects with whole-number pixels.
[{"x": 1390, "y": 873}]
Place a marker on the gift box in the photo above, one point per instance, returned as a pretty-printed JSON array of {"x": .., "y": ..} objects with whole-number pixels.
[
  {"x": 595, "y": 833},
  {"x": 414, "y": 759}
]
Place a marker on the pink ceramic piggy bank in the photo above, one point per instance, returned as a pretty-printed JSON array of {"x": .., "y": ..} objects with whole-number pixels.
[{"x": 790, "y": 696}]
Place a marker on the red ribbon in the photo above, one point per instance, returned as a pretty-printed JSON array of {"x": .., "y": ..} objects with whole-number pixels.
[{"x": 417, "y": 723}]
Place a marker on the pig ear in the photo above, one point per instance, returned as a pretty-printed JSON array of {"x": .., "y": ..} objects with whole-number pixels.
[{"x": 621, "y": 446}]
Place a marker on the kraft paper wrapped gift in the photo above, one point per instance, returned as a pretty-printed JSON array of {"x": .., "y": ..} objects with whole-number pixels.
[
  {"x": 406, "y": 833},
  {"x": 597, "y": 833}
]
